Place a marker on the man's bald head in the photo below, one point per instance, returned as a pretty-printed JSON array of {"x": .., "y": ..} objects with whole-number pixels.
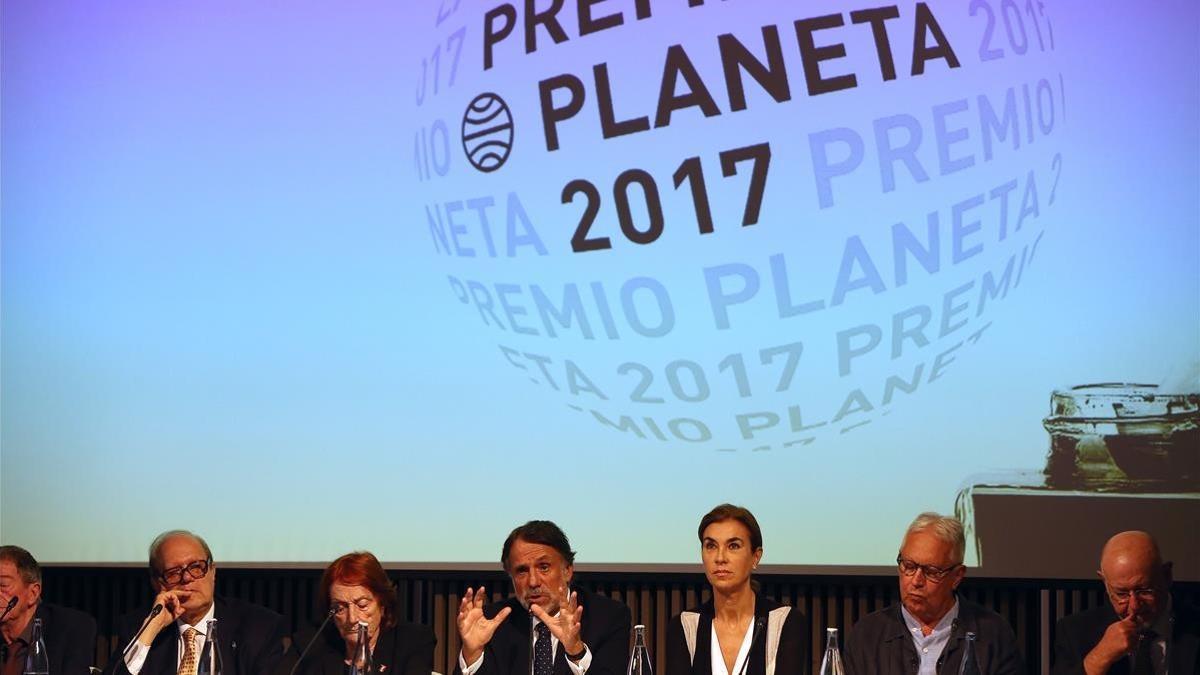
[
  {"x": 1130, "y": 549},
  {"x": 1134, "y": 575}
]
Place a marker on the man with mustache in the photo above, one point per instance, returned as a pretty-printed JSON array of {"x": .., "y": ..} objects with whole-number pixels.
[
  {"x": 1141, "y": 631},
  {"x": 249, "y": 638},
  {"x": 926, "y": 633},
  {"x": 554, "y": 630}
]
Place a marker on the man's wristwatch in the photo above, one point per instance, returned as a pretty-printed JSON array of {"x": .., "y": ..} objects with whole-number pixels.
[{"x": 580, "y": 655}]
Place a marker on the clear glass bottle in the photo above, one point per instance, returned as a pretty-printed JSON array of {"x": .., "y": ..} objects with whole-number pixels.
[
  {"x": 970, "y": 663},
  {"x": 639, "y": 660},
  {"x": 37, "y": 662},
  {"x": 209, "y": 663},
  {"x": 831, "y": 663},
  {"x": 361, "y": 663}
]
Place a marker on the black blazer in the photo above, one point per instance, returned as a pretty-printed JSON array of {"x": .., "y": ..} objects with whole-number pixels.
[
  {"x": 880, "y": 644},
  {"x": 70, "y": 637},
  {"x": 1077, "y": 634},
  {"x": 404, "y": 649},
  {"x": 791, "y": 655},
  {"x": 604, "y": 629},
  {"x": 249, "y": 637}
]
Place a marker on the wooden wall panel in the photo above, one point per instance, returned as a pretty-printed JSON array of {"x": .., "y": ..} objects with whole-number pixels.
[{"x": 1032, "y": 607}]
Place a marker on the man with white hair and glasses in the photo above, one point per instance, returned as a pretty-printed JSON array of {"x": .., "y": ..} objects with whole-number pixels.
[
  {"x": 168, "y": 640},
  {"x": 925, "y": 634}
]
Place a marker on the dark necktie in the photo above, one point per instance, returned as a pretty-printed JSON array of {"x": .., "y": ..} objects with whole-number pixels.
[
  {"x": 1142, "y": 665},
  {"x": 543, "y": 655}
]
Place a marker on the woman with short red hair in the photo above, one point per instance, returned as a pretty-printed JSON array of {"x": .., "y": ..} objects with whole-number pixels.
[{"x": 355, "y": 588}]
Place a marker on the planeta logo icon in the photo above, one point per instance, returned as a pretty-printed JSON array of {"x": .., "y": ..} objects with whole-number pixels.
[{"x": 487, "y": 132}]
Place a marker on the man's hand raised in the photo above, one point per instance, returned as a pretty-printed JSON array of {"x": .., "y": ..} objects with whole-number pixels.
[
  {"x": 475, "y": 629},
  {"x": 172, "y": 610},
  {"x": 1120, "y": 639},
  {"x": 565, "y": 626}
]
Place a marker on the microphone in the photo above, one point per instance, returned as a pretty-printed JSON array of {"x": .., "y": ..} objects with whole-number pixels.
[
  {"x": 12, "y": 602},
  {"x": 533, "y": 638},
  {"x": 313, "y": 641},
  {"x": 759, "y": 629},
  {"x": 154, "y": 611}
]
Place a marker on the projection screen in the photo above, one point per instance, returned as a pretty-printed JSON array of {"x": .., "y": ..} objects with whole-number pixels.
[{"x": 310, "y": 278}]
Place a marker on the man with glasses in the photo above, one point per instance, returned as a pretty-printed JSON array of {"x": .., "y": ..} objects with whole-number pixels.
[
  {"x": 249, "y": 638},
  {"x": 926, "y": 632},
  {"x": 1140, "y": 631}
]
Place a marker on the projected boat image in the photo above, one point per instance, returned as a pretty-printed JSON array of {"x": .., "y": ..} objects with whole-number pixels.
[{"x": 1122, "y": 456}]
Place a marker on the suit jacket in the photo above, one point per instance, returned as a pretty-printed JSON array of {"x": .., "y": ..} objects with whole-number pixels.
[
  {"x": 881, "y": 644},
  {"x": 604, "y": 629},
  {"x": 404, "y": 649},
  {"x": 70, "y": 637},
  {"x": 790, "y": 653},
  {"x": 249, "y": 640},
  {"x": 1077, "y": 634}
]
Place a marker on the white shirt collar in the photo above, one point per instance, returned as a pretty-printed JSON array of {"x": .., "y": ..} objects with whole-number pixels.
[{"x": 201, "y": 626}]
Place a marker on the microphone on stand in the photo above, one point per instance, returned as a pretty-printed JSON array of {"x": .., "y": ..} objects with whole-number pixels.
[
  {"x": 759, "y": 629},
  {"x": 12, "y": 602},
  {"x": 155, "y": 611},
  {"x": 313, "y": 641}
]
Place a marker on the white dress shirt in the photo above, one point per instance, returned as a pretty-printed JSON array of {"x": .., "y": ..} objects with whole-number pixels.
[
  {"x": 718, "y": 657},
  {"x": 576, "y": 668},
  {"x": 137, "y": 656}
]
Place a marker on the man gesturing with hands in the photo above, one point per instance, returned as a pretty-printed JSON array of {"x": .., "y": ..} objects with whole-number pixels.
[{"x": 551, "y": 633}]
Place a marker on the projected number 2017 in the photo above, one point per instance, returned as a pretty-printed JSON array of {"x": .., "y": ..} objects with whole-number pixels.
[{"x": 690, "y": 171}]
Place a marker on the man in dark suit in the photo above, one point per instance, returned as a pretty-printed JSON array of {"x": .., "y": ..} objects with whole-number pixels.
[
  {"x": 555, "y": 630},
  {"x": 70, "y": 635},
  {"x": 1141, "y": 631},
  {"x": 249, "y": 638}
]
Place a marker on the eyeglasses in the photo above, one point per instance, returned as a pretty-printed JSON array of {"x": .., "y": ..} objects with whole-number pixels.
[
  {"x": 176, "y": 575},
  {"x": 1143, "y": 594},
  {"x": 909, "y": 568}
]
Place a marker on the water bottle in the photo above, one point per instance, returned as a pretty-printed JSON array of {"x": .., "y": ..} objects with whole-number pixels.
[
  {"x": 210, "y": 657},
  {"x": 361, "y": 663},
  {"x": 37, "y": 662},
  {"x": 970, "y": 664},
  {"x": 639, "y": 660},
  {"x": 831, "y": 663}
]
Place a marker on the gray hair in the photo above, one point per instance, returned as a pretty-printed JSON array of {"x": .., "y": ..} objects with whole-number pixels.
[
  {"x": 944, "y": 528},
  {"x": 157, "y": 544},
  {"x": 27, "y": 566}
]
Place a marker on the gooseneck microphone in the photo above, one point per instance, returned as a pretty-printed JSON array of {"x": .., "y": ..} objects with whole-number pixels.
[
  {"x": 12, "y": 602},
  {"x": 313, "y": 641},
  {"x": 758, "y": 630},
  {"x": 155, "y": 611}
]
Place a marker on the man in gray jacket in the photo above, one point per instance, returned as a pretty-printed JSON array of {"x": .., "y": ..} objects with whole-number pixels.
[{"x": 926, "y": 633}]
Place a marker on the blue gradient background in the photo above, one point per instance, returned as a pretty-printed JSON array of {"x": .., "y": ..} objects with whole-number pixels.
[{"x": 223, "y": 309}]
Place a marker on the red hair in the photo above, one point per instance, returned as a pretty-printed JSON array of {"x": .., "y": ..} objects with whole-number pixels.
[{"x": 361, "y": 568}]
